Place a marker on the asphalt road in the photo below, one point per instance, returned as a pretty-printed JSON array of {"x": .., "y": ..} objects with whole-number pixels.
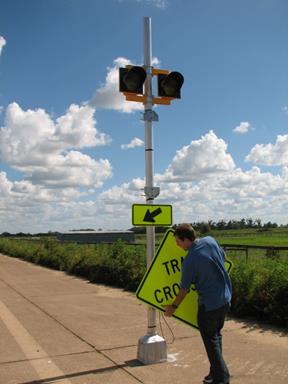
[{"x": 56, "y": 328}]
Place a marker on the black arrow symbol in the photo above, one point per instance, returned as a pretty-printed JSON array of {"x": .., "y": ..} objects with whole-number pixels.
[{"x": 149, "y": 216}]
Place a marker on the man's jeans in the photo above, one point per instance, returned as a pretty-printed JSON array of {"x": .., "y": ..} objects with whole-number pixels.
[{"x": 210, "y": 324}]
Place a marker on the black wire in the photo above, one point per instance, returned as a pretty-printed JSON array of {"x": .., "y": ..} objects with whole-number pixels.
[{"x": 168, "y": 326}]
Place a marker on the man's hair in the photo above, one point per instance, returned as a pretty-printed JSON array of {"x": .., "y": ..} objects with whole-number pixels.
[{"x": 185, "y": 231}]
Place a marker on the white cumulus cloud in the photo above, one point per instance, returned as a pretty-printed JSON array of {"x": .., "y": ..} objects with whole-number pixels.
[
  {"x": 230, "y": 195},
  {"x": 2, "y": 43},
  {"x": 77, "y": 128},
  {"x": 45, "y": 151},
  {"x": 214, "y": 189},
  {"x": 136, "y": 142},
  {"x": 201, "y": 158},
  {"x": 228, "y": 192},
  {"x": 270, "y": 154},
  {"x": 242, "y": 128}
]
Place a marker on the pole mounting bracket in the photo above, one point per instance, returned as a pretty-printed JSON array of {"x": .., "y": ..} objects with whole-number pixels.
[
  {"x": 150, "y": 115},
  {"x": 151, "y": 192}
]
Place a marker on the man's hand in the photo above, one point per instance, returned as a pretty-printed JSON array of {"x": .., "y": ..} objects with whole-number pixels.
[{"x": 169, "y": 310}]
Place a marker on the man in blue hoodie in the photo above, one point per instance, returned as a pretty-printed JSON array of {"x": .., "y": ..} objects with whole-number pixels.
[{"x": 204, "y": 266}]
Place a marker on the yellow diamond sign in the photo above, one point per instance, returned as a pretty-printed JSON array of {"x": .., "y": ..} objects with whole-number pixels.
[
  {"x": 161, "y": 283},
  {"x": 144, "y": 214}
]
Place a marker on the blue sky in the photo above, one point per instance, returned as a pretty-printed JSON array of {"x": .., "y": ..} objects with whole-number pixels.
[{"x": 71, "y": 147}]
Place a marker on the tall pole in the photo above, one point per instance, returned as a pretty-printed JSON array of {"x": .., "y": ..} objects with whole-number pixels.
[
  {"x": 151, "y": 347},
  {"x": 149, "y": 157}
]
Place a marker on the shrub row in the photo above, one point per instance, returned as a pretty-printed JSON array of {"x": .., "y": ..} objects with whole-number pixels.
[
  {"x": 117, "y": 264},
  {"x": 260, "y": 286},
  {"x": 260, "y": 289}
]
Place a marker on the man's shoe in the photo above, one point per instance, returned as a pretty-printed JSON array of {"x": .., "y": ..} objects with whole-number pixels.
[
  {"x": 219, "y": 382},
  {"x": 208, "y": 379}
]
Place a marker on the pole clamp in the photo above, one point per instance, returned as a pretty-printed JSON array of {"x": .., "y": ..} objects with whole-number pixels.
[
  {"x": 151, "y": 192},
  {"x": 150, "y": 115}
]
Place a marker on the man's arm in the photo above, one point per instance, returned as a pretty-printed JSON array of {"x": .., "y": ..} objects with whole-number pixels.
[{"x": 170, "y": 309}]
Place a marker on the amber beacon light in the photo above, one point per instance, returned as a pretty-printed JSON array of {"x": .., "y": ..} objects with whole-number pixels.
[{"x": 131, "y": 79}]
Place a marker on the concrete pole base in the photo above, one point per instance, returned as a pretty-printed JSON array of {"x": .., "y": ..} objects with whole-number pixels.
[{"x": 152, "y": 349}]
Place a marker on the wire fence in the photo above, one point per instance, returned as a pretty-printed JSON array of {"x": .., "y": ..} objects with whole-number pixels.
[
  {"x": 255, "y": 250},
  {"x": 244, "y": 250}
]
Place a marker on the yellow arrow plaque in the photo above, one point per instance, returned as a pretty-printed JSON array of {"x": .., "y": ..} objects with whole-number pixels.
[{"x": 144, "y": 214}]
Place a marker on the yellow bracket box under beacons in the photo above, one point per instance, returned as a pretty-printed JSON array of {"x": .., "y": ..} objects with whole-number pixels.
[
  {"x": 156, "y": 71},
  {"x": 134, "y": 97},
  {"x": 142, "y": 98}
]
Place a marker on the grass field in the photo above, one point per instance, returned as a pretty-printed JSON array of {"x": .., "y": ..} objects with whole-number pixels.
[
  {"x": 273, "y": 237},
  {"x": 252, "y": 236}
]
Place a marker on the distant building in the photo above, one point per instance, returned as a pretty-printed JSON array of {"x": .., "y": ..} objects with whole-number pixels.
[{"x": 96, "y": 237}]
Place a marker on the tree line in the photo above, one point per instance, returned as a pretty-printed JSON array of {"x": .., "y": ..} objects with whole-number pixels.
[
  {"x": 207, "y": 226},
  {"x": 201, "y": 226},
  {"x": 235, "y": 224}
]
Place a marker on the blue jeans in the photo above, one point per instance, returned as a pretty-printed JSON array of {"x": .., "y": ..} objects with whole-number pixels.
[{"x": 210, "y": 324}]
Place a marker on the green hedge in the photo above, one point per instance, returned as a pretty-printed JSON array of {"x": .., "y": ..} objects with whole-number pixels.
[
  {"x": 118, "y": 264},
  {"x": 260, "y": 289},
  {"x": 260, "y": 285}
]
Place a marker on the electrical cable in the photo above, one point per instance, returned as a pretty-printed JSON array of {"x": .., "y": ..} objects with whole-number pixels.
[{"x": 168, "y": 326}]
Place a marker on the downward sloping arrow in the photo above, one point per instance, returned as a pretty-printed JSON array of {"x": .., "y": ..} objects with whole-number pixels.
[{"x": 149, "y": 216}]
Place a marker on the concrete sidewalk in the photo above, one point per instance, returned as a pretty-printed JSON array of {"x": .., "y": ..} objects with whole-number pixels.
[{"x": 56, "y": 328}]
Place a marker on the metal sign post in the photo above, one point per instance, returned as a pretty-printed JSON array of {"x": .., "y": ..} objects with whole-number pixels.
[{"x": 152, "y": 348}]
